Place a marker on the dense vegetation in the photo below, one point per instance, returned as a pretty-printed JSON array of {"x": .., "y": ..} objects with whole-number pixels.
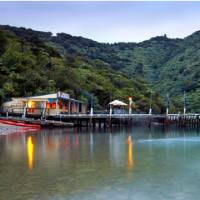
[{"x": 33, "y": 62}]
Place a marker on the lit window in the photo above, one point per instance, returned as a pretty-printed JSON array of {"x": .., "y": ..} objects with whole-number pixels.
[
  {"x": 51, "y": 105},
  {"x": 31, "y": 104}
]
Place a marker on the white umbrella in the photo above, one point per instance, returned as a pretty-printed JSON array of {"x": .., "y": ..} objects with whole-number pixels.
[{"x": 117, "y": 103}]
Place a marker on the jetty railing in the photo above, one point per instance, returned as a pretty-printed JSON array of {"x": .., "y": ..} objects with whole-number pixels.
[{"x": 107, "y": 119}]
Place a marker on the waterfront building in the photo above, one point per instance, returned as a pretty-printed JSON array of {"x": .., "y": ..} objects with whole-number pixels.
[{"x": 46, "y": 105}]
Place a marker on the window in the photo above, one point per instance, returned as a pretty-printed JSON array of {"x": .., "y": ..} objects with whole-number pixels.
[
  {"x": 31, "y": 104},
  {"x": 51, "y": 105},
  {"x": 31, "y": 110}
]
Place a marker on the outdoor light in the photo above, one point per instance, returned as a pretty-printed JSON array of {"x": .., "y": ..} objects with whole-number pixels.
[{"x": 30, "y": 103}]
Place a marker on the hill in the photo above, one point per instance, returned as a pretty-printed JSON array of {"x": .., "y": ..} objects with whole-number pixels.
[
  {"x": 168, "y": 65},
  {"x": 84, "y": 67},
  {"x": 33, "y": 62}
]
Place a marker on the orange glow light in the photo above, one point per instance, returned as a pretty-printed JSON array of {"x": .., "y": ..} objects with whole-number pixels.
[
  {"x": 31, "y": 104},
  {"x": 30, "y": 152},
  {"x": 130, "y": 153}
]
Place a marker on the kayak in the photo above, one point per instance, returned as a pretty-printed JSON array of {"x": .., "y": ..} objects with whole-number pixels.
[{"x": 9, "y": 122}]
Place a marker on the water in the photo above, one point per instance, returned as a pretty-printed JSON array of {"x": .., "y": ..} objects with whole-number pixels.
[{"x": 122, "y": 164}]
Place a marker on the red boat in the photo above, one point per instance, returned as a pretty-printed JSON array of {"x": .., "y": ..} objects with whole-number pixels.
[{"x": 18, "y": 123}]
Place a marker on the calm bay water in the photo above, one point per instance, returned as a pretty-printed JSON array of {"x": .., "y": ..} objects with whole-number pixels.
[{"x": 123, "y": 164}]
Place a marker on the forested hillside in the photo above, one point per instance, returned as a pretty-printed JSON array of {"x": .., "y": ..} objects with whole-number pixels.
[{"x": 34, "y": 62}]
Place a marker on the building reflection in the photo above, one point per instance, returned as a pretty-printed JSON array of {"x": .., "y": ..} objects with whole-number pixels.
[
  {"x": 91, "y": 144},
  {"x": 77, "y": 140},
  {"x": 30, "y": 152},
  {"x": 130, "y": 153}
]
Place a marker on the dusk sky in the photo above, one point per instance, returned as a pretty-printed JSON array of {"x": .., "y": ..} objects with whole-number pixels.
[{"x": 105, "y": 21}]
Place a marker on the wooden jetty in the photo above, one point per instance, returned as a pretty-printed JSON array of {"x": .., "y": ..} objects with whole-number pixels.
[
  {"x": 184, "y": 120},
  {"x": 108, "y": 120}
]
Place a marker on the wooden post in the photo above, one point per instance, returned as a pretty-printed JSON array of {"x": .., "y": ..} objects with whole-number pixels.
[
  {"x": 44, "y": 111},
  {"x": 110, "y": 110},
  {"x": 167, "y": 111},
  {"x": 99, "y": 123},
  {"x": 110, "y": 121},
  {"x": 78, "y": 108},
  {"x": 130, "y": 105},
  {"x": 94, "y": 123},
  {"x": 91, "y": 111},
  {"x": 57, "y": 107},
  {"x": 184, "y": 106},
  {"x": 24, "y": 112},
  {"x": 69, "y": 107}
]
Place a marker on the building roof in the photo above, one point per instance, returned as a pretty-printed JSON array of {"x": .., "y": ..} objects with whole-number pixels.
[
  {"x": 117, "y": 103},
  {"x": 47, "y": 96},
  {"x": 50, "y": 96}
]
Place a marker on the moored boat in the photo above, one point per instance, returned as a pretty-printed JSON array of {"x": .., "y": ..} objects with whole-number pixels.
[{"x": 19, "y": 123}]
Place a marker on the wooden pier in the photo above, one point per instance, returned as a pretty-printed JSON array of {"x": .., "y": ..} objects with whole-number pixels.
[
  {"x": 192, "y": 120},
  {"x": 107, "y": 120}
]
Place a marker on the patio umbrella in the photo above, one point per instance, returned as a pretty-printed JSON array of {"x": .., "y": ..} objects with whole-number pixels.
[{"x": 117, "y": 103}]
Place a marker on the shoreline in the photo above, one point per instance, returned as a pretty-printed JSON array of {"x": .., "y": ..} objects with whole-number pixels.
[{"x": 6, "y": 129}]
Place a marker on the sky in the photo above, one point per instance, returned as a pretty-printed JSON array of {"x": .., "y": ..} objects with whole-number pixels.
[{"x": 106, "y": 21}]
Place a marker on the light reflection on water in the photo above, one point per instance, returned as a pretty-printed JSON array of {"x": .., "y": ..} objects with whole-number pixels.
[
  {"x": 130, "y": 153},
  {"x": 118, "y": 164},
  {"x": 30, "y": 152}
]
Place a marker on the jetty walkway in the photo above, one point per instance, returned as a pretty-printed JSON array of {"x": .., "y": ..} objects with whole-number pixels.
[
  {"x": 129, "y": 119},
  {"x": 107, "y": 120}
]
